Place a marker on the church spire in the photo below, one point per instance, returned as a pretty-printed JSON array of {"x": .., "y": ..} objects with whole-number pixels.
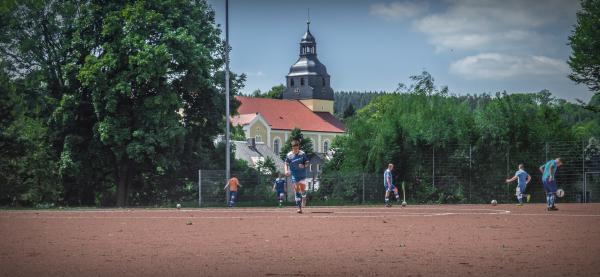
[
  {"x": 308, "y": 79},
  {"x": 308, "y": 45}
]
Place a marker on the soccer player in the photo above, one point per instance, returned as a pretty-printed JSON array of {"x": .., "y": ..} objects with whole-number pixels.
[
  {"x": 548, "y": 171},
  {"x": 295, "y": 165},
  {"x": 279, "y": 186},
  {"x": 233, "y": 185},
  {"x": 388, "y": 183},
  {"x": 524, "y": 179}
]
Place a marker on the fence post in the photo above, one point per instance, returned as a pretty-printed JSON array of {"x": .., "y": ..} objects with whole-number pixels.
[
  {"x": 470, "y": 170},
  {"x": 433, "y": 172},
  {"x": 546, "y": 152},
  {"x": 507, "y": 171},
  {"x": 199, "y": 188},
  {"x": 363, "y": 188},
  {"x": 584, "y": 183}
]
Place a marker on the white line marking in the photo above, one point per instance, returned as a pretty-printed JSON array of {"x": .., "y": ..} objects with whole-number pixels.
[
  {"x": 333, "y": 212},
  {"x": 561, "y": 214}
]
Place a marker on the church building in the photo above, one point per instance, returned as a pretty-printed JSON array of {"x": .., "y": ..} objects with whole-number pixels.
[{"x": 307, "y": 104}]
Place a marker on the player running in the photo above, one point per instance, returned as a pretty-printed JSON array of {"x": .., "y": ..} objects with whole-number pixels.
[
  {"x": 295, "y": 165},
  {"x": 548, "y": 171},
  {"x": 389, "y": 185},
  {"x": 279, "y": 187},
  {"x": 524, "y": 180}
]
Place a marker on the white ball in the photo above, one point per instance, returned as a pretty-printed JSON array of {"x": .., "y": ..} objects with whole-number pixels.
[
  {"x": 178, "y": 206},
  {"x": 403, "y": 203},
  {"x": 494, "y": 202},
  {"x": 560, "y": 193}
]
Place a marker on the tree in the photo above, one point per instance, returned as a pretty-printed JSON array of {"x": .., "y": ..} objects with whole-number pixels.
[
  {"x": 36, "y": 42},
  {"x": 150, "y": 77},
  {"x": 305, "y": 144},
  {"x": 99, "y": 86},
  {"x": 266, "y": 166},
  {"x": 343, "y": 99},
  {"x": 424, "y": 84},
  {"x": 349, "y": 111},
  {"x": 237, "y": 133},
  {"x": 276, "y": 92},
  {"x": 585, "y": 42},
  {"x": 417, "y": 127}
]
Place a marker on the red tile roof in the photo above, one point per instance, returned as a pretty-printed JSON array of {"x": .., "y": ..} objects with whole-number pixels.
[
  {"x": 283, "y": 114},
  {"x": 242, "y": 119}
]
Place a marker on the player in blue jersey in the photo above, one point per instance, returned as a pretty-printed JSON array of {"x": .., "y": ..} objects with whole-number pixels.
[
  {"x": 296, "y": 162},
  {"x": 523, "y": 179},
  {"x": 279, "y": 187},
  {"x": 388, "y": 183},
  {"x": 548, "y": 171}
]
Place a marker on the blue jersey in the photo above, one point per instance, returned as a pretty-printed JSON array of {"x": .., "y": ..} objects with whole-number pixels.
[
  {"x": 522, "y": 177},
  {"x": 550, "y": 164},
  {"x": 293, "y": 161},
  {"x": 387, "y": 178},
  {"x": 280, "y": 184}
]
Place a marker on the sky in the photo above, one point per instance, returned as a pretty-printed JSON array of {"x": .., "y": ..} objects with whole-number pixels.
[{"x": 471, "y": 46}]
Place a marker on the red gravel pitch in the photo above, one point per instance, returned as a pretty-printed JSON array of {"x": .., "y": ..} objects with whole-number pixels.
[{"x": 459, "y": 240}]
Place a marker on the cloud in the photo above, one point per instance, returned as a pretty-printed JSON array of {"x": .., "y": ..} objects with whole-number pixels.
[
  {"x": 502, "y": 66},
  {"x": 256, "y": 74},
  {"x": 514, "y": 25},
  {"x": 398, "y": 10}
]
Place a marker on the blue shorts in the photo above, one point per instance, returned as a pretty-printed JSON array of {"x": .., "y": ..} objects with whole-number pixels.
[
  {"x": 297, "y": 179},
  {"x": 550, "y": 186},
  {"x": 390, "y": 188},
  {"x": 280, "y": 192}
]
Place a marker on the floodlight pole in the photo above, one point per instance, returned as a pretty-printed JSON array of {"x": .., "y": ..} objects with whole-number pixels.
[{"x": 227, "y": 113}]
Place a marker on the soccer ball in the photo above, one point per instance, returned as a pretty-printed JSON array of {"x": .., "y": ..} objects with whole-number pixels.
[
  {"x": 494, "y": 202},
  {"x": 178, "y": 206},
  {"x": 560, "y": 193},
  {"x": 403, "y": 203}
]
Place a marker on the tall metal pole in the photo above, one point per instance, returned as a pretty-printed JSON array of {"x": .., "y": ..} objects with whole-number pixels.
[{"x": 227, "y": 113}]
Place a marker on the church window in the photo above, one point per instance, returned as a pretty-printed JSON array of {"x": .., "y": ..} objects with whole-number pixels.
[
  {"x": 301, "y": 81},
  {"x": 323, "y": 81},
  {"x": 325, "y": 146},
  {"x": 291, "y": 82}
]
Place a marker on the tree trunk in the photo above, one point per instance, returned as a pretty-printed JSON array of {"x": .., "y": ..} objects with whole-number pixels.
[{"x": 122, "y": 183}]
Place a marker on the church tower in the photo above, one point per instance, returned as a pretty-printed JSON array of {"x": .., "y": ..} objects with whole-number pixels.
[{"x": 308, "y": 80}]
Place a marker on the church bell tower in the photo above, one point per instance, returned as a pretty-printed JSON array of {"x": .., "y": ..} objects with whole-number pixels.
[{"x": 308, "y": 80}]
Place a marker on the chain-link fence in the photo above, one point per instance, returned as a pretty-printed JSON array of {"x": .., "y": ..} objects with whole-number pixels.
[{"x": 454, "y": 173}]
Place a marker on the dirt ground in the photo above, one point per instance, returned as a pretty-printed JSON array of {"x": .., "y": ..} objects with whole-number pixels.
[{"x": 447, "y": 240}]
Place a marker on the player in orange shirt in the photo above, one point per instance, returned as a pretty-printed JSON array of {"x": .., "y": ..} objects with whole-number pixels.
[{"x": 233, "y": 187}]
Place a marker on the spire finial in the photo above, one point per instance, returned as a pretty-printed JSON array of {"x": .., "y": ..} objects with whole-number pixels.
[{"x": 308, "y": 19}]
